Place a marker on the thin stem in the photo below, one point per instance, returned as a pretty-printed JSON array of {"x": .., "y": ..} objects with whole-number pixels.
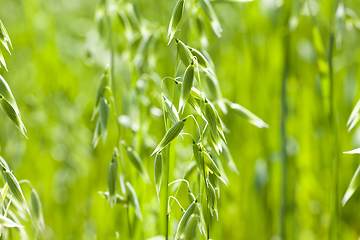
[
  {"x": 112, "y": 79},
  {"x": 114, "y": 100},
  {"x": 166, "y": 177},
  {"x": 188, "y": 134},
  {"x": 208, "y": 218},
  {"x": 334, "y": 139},
  {"x": 112, "y": 54},
  {"x": 283, "y": 137},
  {"x": 201, "y": 194},
  {"x": 180, "y": 180},
  {"x": 333, "y": 134},
  {"x": 6, "y": 213},
  {"x": 183, "y": 179},
  {"x": 172, "y": 197},
  {"x": 128, "y": 220},
  {"x": 167, "y": 170},
  {"x": 162, "y": 80},
  {"x": 26, "y": 181}
]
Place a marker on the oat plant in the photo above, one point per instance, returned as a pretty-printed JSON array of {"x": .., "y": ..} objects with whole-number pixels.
[
  {"x": 192, "y": 106},
  {"x": 13, "y": 203},
  {"x": 326, "y": 76},
  {"x": 194, "y": 113},
  {"x": 124, "y": 103}
]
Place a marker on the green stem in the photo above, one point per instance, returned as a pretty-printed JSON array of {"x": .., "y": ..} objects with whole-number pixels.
[
  {"x": 112, "y": 78},
  {"x": 128, "y": 220},
  {"x": 334, "y": 142},
  {"x": 167, "y": 170},
  {"x": 115, "y": 107},
  {"x": 333, "y": 134},
  {"x": 283, "y": 137},
  {"x": 166, "y": 167},
  {"x": 208, "y": 220}
]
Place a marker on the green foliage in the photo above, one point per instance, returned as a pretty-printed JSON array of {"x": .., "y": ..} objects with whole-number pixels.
[{"x": 82, "y": 71}]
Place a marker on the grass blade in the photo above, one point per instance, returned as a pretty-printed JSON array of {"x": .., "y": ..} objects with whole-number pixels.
[
  {"x": 354, "y": 117},
  {"x": 352, "y": 186}
]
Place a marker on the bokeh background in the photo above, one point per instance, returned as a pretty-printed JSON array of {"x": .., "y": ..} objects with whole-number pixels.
[{"x": 58, "y": 57}]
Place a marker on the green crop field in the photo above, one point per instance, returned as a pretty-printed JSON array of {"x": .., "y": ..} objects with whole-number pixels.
[{"x": 180, "y": 119}]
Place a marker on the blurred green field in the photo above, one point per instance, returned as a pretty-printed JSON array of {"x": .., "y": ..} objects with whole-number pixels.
[{"x": 58, "y": 57}]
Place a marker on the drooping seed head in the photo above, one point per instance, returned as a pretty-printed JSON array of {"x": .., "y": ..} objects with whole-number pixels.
[
  {"x": 137, "y": 162},
  {"x": 133, "y": 200},
  {"x": 175, "y": 19},
  {"x": 210, "y": 13},
  {"x": 103, "y": 83},
  {"x": 104, "y": 110},
  {"x": 228, "y": 158},
  {"x": 112, "y": 177},
  {"x": 186, "y": 86},
  {"x": 170, "y": 135},
  {"x": 211, "y": 197},
  {"x": 203, "y": 62},
  {"x": 171, "y": 110},
  {"x": 12, "y": 114},
  {"x": 100, "y": 18},
  {"x": 191, "y": 228},
  {"x": 97, "y": 134},
  {"x": 183, "y": 52},
  {"x": 201, "y": 31},
  {"x": 7, "y": 222},
  {"x": 134, "y": 15},
  {"x": 184, "y": 220},
  {"x": 119, "y": 199},
  {"x": 2, "y": 60},
  {"x": 15, "y": 188},
  {"x": 37, "y": 209},
  {"x": 4, "y": 37},
  {"x": 3, "y": 164},
  {"x": 158, "y": 172},
  {"x": 210, "y": 164},
  {"x": 211, "y": 119},
  {"x": 5, "y": 91},
  {"x": 252, "y": 118},
  {"x": 213, "y": 86},
  {"x": 197, "y": 156}
]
